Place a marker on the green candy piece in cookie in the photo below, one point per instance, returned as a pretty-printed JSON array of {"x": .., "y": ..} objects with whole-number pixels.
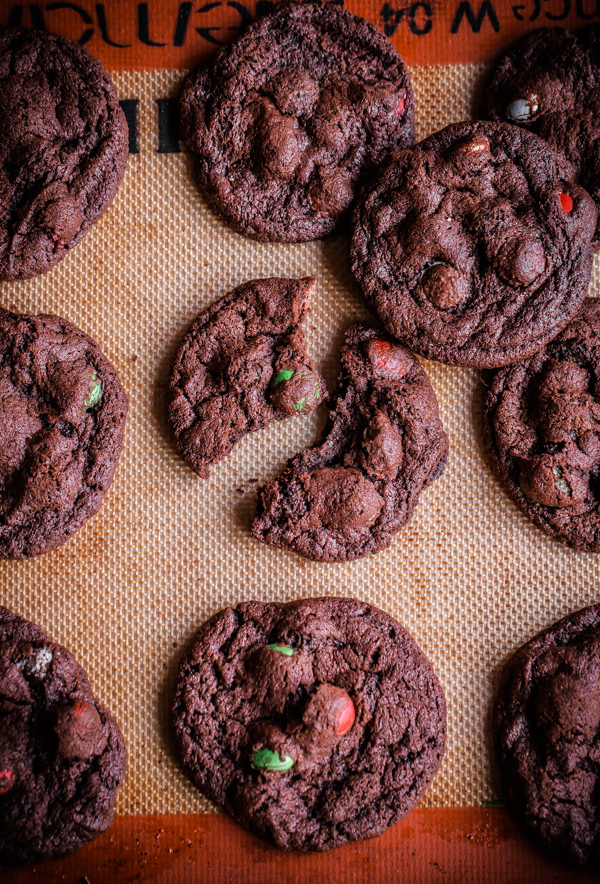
[
  {"x": 283, "y": 649},
  {"x": 268, "y": 760},
  {"x": 561, "y": 483},
  {"x": 285, "y": 374},
  {"x": 95, "y": 394},
  {"x": 301, "y": 404}
]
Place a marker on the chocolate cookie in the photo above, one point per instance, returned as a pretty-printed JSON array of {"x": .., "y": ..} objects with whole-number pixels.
[
  {"x": 62, "y": 755},
  {"x": 62, "y": 414},
  {"x": 550, "y": 83},
  {"x": 547, "y": 724},
  {"x": 63, "y": 148},
  {"x": 17, "y": 629},
  {"x": 383, "y": 444},
  {"x": 474, "y": 248},
  {"x": 242, "y": 365},
  {"x": 291, "y": 116},
  {"x": 312, "y": 723},
  {"x": 542, "y": 430}
]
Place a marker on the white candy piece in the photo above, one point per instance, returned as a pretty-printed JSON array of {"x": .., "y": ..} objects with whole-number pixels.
[
  {"x": 37, "y": 664},
  {"x": 522, "y": 109}
]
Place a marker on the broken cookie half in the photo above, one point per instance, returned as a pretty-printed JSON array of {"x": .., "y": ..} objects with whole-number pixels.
[
  {"x": 383, "y": 444},
  {"x": 242, "y": 365}
]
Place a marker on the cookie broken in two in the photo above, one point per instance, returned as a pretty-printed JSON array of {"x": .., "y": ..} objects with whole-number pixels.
[{"x": 243, "y": 365}]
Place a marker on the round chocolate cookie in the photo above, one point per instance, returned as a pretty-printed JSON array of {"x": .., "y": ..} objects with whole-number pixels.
[
  {"x": 63, "y": 148},
  {"x": 242, "y": 365},
  {"x": 547, "y": 726},
  {"x": 291, "y": 116},
  {"x": 542, "y": 430},
  {"x": 62, "y": 415},
  {"x": 383, "y": 444},
  {"x": 312, "y": 723},
  {"x": 62, "y": 755},
  {"x": 474, "y": 248},
  {"x": 550, "y": 82}
]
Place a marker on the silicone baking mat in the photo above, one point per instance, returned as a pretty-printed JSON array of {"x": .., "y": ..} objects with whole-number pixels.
[{"x": 470, "y": 577}]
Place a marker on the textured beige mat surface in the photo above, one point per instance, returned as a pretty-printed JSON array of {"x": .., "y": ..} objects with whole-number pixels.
[{"x": 470, "y": 577}]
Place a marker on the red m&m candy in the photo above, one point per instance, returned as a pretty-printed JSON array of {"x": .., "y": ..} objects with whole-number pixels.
[
  {"x": 566, "y": 202},
  {"x": 7, "y": 781},
  {"x": 79, "y": 730},
  {"x": 346, "y": 718},
  {"x": 388, "y": 359},
  {"x": 381, "y": 349},
  {"x": 328, "y": 715}
]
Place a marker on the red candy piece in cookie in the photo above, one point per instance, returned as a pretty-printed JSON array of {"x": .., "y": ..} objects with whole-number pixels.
[
  {"x": 79, "y": 730},
  {"x": 399, "y": 106},
  {"x": 382, "y": 349},
  {"x": 389, "y": 358},
  {"x": 346, "y": 718},
  {"x": 566, "y": 202},
  {"x": 7, "y": 781},
  {"x": 328, "y": 714}
]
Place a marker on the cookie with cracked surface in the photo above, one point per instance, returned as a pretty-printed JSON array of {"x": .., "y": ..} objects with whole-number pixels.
[
  {"x": 62, "y": 415},
  {"x": 549, "y": 83},
  {"x": 63, "y": 149},
  {"x": 542, "y": 431},
  {"x": 242, "y": 365},
  {"x": 474, "y": 248},
  {"x": 384, "y": 443},
  {"x": 312, "y": 723},
  {"x": 289, "y": 119},
  {"x": 62, "y": 755},
  {"x": 546, "y": 724}
]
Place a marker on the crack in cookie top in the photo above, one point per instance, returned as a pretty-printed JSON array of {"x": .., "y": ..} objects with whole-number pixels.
[
  {"x": 542, "y": 430},
  {"x": 242, "y": 365},
  {"x": 547, "y": 724},
  {"x": 63, "y": 149},
  {"x": 384, "y": 443},
  {"x": 62, "y": 756},
  {"x": 62, "y": 416},
  {"x": 474, "y": 248},
  {"x": 289, "y": 118},
  {"x": 549, "y": 82},
  {"x": 312, "y": 723}
]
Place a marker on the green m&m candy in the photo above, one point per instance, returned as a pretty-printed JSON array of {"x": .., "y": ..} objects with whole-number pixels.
[
  {"x": 296, "y": 390},
  {"x": 95, "y": 394},
  {"x": 286, "y": 375},
  {"x": 265, "y": 759},
  {"x": 282, "y": 649}
]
